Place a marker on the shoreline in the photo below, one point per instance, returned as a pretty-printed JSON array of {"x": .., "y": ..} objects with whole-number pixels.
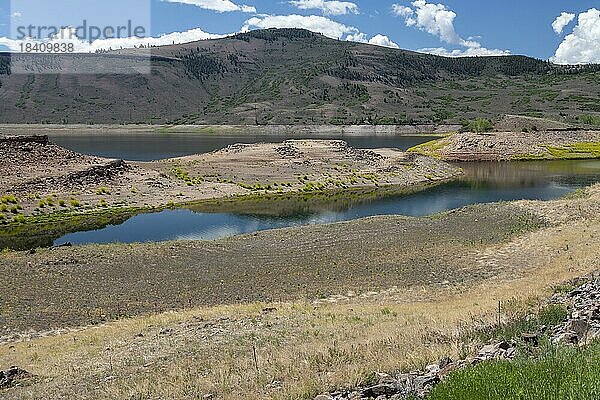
[{"x": 292, "y": 130}]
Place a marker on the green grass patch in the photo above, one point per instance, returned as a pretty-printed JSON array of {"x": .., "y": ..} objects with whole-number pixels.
[
  {"x": 556, "y": 373},
  {"x": 575, "y": 151},
  {"x": 8, "y": 199},
  {"x": 432, "y": 148},
  {"x": 521, "y": 321},
  {"x": 102, "y": 190},
  {"x": 589, "y": 119},
  {"x": 74, "y": 203},
  {"x": 530, "y": 157}
]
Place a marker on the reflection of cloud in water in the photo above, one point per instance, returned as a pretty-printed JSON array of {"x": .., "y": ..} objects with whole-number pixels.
[
  {"x": 212, "y": 233},
  {"x": 240, "y": 225}
]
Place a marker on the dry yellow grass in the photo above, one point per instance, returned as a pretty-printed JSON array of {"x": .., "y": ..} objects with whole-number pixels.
[{"x": 306, "y": 347}]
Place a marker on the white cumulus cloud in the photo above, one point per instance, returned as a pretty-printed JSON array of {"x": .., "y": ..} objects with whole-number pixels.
[
  {"x": 468, "y": 52},
  {"x": 216, "y": 5},
  {"x": 582, "y": 46},
  {"x": 314, "y": 23},
  {"x": 377, "y": 40},
  {"x": 328, "y": 7},
  {"x": 438, "y": 20},
  {"x": 318, "y": 24},
  {"x": 382, "y": 40},
  {"x": 562, "y": 21},
  {"x": 67, "y": 35}
]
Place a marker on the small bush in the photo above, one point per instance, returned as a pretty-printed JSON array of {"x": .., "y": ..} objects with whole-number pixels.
[
  {"x": 478, "y": 125},
  {"x": 74, "y": 203},
  {"x": 589, "y": 119},
  {"x": 8, "y": 199},
  {"x": 62, "y": 203},
  {"x": 102, "y": 191}
]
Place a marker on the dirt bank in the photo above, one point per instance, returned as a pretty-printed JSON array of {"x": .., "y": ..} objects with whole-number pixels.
[
  {"x": 360, "y": 130},
  {"x": 510, "y": 146}
]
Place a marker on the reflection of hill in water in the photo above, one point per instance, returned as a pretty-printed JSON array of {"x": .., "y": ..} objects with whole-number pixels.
[
  {"x": 530, "y": 173},
  {"x": 299, "y": 205},
  {"x": 34, "y": 235}
]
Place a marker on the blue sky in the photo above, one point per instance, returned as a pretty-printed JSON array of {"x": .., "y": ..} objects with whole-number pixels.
[{"x": 468, "y": 27}]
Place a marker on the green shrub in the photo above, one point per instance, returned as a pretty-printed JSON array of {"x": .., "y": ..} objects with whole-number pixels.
[
  {"x": 478, "y": 125},
  {"x": 8, "y": 199},
  {"x": 74, "y": 203},
  {"x": 549, "y": 315},
  {"x": 62, "y": 203},
  {"x": 589, "y": 119}
]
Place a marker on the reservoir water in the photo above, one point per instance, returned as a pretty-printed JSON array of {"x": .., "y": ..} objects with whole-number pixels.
[{"x": 156, "y": 146}]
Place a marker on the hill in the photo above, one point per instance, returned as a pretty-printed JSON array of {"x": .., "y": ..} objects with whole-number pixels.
[{"x": 293, "y": 76}]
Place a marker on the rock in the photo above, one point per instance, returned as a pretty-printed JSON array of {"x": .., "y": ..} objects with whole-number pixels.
[
  {"x": 384, "y": 389},
  {"x": 503, "y": 346},
  {"x": 422, "y": 384},
  {"x": 447, "y": 369},
  {"x": 14, "y": 376},
  {"x": 444, "y": 362},
  {"x": 579, "y": 326},
  {"x": 530, "y": 338},
  {"x": 432, "y": 369},
  {"x": 323, "y": 397}
]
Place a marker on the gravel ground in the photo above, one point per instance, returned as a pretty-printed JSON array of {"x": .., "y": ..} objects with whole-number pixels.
[{"x": 90, "y": 284}]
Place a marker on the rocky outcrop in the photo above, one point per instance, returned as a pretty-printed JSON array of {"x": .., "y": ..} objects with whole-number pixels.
[
  {"x": 583, "y": 324},
  {"x": 39, "y": 139},
  {"x": 419, "y": 383},
  {"x": 581, "y": 328},
  {"x": 14, "y": 376}
]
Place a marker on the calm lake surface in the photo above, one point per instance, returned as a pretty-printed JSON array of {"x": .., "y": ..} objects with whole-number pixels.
[
  {"x": 157, "y": 146},
  {"x": 482, "y": 183}
]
